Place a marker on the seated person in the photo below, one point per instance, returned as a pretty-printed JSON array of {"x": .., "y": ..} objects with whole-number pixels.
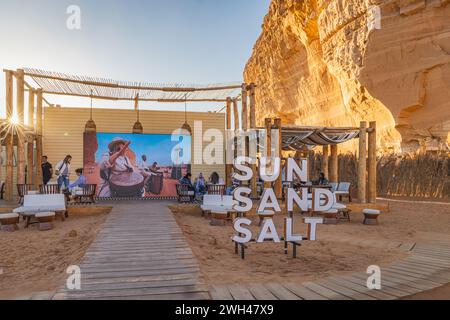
[
  {"x": 322, "y": 181},
  {"x": 78, "y": 185},
  {"x": 214, "y": 179},
  {"x": 235, "y": 183},
  {"x": 186, "y": 181}
]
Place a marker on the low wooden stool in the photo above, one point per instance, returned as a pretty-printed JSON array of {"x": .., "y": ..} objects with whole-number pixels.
[
  {"x": 9, "y": 222},
  {"x": 371, "y": 216},
  {"x": 265, "y": 215},
  {"x": 45, "y": 220},
  {"x": 344, "y": 214},
  {"x": 219, "y": 218},
  {"x": 330, "y": 217}
]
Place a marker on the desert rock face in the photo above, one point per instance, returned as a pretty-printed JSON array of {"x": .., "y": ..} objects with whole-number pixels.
[{"x": 337, "y": 62}]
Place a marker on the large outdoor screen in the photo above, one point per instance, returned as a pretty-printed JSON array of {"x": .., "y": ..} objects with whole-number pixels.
[{"x": 136, "y": 165}]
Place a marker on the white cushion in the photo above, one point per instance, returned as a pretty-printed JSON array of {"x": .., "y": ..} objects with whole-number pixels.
[
  {"x": 44, "y": 214},
  {"x": 190, "y": 193},
  {"x": 341, "y": 192},
  {"x": 228, "y": 201},
  {"x": 212, "y": 200},
  {"x": 266, "y": 213},
  {"x": 339, "y": 206},
  {"x": 39, "y": 200},
  {"x": 371, "y": 211},
  {"x": 8, "y": 216},
  {"x": 36, "y": 209},
  {"x": 331, "y": 211}
]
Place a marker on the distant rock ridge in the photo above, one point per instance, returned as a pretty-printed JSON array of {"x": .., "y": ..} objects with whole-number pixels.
[{"x": 337, "y": 62}]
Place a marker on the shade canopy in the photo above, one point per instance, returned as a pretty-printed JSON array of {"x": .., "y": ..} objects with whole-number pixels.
[
  {"x": 100, "y": 88},
  {"x": 296, "y": 137}
]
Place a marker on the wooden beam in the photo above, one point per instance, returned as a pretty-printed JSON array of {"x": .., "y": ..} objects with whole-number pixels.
[
  {"x": 252, "y": 123},
  {"x": 237, "y": 124},
  {"x": 362, "y": 162},
  {"x": 252, "y": 106},
  {"x": 372, "y": 163},
  {"x": 9, "y": 93},
  {"x": 333, "y": 165},
  {"x": 9, "y": 184},
  {"x": 268, "y": 126},
  {"x": 130, "y": 99},
  {"x": 131, "y": 87},
  {"x": 20, "y": 91},
  {"x": 228, "y": 166},
  {"x": 39, "y": 114},
  {"x": 325, "y": 160},
  {"x": 279, "y": 181},
  {"x": 30, "y": 143},
  {"x": 244, "y": 108}
]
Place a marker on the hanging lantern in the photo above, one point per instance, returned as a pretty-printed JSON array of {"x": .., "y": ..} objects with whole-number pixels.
[
  {"x": 186, "y": 125},
  {"x": 90, "y": 124},
  {"x": 137, "y": 128}
]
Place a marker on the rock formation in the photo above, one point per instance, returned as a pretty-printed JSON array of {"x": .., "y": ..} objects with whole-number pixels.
[{"x": 337, "y": 62}]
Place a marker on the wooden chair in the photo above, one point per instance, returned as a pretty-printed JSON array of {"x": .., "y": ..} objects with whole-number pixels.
[
  {"x": 22, "y": 191},
  {"x": 87, "y": 195},
  {"x": 49, "y": 189},
  {"x": 216, "y": 189},
  {"x": 184, "y": 194}
]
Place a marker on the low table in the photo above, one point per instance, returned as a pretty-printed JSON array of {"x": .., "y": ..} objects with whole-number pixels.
[
  {"x": 219, "y": 218},
  {"x": 9, "y": 222},
  {"x": 45, "y": 220}
]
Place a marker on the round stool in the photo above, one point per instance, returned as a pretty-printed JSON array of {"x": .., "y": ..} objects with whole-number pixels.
[
  {"x": 45, "y": 220},
  {"x": 9, "y": 222},
  {"x": 265, "y": 215},
  {"x": 330, "y": 216},
  {"x": 371, "y": 216}
]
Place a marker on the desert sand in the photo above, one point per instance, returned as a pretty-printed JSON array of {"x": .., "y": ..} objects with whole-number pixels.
[
  {"x": 35, "y": 261},
  {"x": 344, "y": 248}
]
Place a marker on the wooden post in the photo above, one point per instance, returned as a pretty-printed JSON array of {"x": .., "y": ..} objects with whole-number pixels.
[
  {"x": 30, "y": 144},
  {"x": 244, "y": 108},
  {"x": 333, "y": 165},
  {"x": 279, "y": 182},
  {"x": 19, "y": 128},
  {"x": 268, "y": 151},
  {"x": 362, "y": 162},
  {"x": 325, "y": 155},
  {"x": 39, "y": 114},
  {"x": 228, "y": 166},
  {"x": 254, "y": 181},
  {"x": 9, "y": 137},
  {"x": 372, "y": 162},
  {"x": 236, "y": 115}
]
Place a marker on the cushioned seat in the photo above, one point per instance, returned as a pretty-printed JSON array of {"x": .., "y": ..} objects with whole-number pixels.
[
  {"x": 44, "y": 215},
  {"x": 5, "y": 216},
  {"x": 371, "y": 211}
]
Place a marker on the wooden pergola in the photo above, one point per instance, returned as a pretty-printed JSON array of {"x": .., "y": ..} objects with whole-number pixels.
[
  {"x": 38, "y": 83},
  {"x": 292, "y": 138},
  {"x": 297, "y": 138}
]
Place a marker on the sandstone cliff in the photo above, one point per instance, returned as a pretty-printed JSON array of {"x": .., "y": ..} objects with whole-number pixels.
[{"x": 337, "y": 62}]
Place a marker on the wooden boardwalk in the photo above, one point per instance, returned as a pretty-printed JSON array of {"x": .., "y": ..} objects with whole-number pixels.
[
  {"x": 427, "y": 267},
  {"x": 139, "y": 254}
]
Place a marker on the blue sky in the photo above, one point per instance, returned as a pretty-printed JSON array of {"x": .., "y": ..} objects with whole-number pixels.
[
  {"x": 157, "y": 147},
  {"x": 165, "y": 41}
]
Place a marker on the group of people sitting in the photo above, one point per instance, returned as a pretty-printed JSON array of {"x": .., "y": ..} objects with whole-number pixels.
[{"x": 200, "y": 185}]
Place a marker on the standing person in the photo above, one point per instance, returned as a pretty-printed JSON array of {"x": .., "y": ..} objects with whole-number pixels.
[
  {"x": 200, "y": 184},
  {"x": 47, "y": 170},
  {"x": 63, "y": 172}
]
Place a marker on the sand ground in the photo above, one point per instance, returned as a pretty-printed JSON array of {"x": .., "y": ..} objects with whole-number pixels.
[
  {"x": 340, "y": 249},
  {"x": 35, "y": 261}
]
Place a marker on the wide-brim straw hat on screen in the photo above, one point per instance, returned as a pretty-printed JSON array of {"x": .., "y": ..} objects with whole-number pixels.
[{"x": 116, "y": 141}]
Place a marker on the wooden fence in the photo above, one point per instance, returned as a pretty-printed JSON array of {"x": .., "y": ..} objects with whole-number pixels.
[{"x": 419, "y": 176}]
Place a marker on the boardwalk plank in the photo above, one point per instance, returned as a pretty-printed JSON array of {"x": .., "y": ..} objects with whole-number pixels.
[
  {"x": 220, "y": 293},
  {"x": 281, "y": 292},
  {"x": 260, "y": 292},
  {"x": 303, "y": 292}
]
